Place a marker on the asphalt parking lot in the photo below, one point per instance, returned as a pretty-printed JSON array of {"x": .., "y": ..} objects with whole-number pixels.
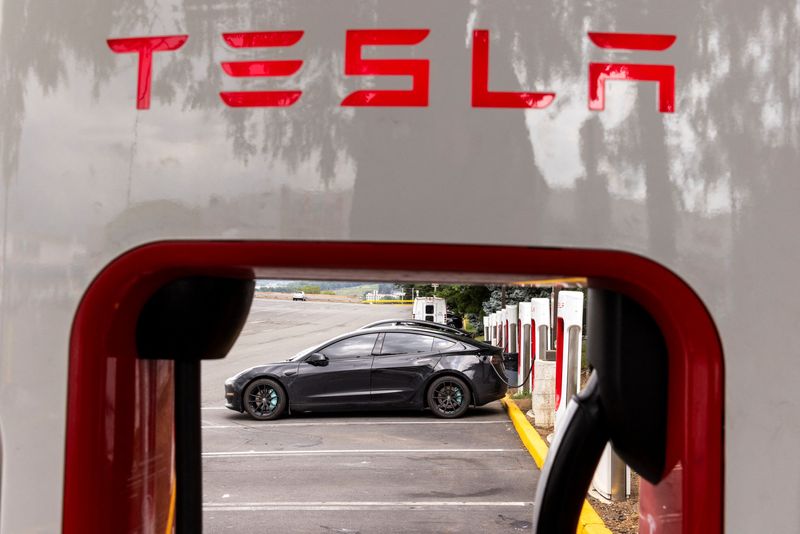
[{"x": 353, "y": 472}]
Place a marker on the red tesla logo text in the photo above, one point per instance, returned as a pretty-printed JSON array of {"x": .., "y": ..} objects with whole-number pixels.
[
  {"x": 482, "y": 97},
  {"x": 355, "y": 65},
  {"x": 417, "y": 69},
  {"x": 663, "y": 74},
  {"x": 239, "y": 69},
  {"x": 145, "y": 46}
]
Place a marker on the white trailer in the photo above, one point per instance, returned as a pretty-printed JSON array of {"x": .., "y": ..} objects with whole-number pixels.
[{"x": 430, "y": 309}]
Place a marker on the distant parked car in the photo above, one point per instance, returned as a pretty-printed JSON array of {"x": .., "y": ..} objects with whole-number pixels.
[
  {"x": 414, "y": 323},
  {"x": 386, "y": 367},
  {"x": 299, "y": 295},
  {"x": 456, "y": 321}
]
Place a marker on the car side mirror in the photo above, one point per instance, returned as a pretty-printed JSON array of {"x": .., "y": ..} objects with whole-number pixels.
[{"x": 317, "y": 358}]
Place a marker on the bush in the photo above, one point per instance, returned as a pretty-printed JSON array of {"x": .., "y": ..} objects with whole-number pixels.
[{"x": 312, "y": 290}]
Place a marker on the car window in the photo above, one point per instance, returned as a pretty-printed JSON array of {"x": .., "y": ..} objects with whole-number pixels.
[
  {"x": 351, "y": 347},
  {"x": 442, "y": 345},
  {"x": 406, "y": 343}
]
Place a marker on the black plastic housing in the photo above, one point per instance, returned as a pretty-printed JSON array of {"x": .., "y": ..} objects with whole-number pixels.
[
  {"x": 629, "y": 354},
  {"x": 194, "y": 318},
  {"x": 625, "y": 402}
]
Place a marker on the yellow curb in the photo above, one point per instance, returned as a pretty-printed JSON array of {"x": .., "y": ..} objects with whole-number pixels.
[
  {"x": 529, "y": 436},
  {"x": 387, "y": 302},
  {"x": 589, "y": 521}
]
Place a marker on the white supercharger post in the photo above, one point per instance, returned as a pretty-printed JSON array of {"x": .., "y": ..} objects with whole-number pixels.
[
  {"x": 501, "y": 329},
  {"x": 512, "y": 317},
  {"x": 540, "y": 317},
  {"x": 544, "y": 370},
  {"x": 612, "y": 479},
  {"x": 496, "y": 329},
  {"x": 569, "y": 336},
  {"x": 486, "y": 327},
  {"x": 525, "y": 344},
  {"x": 492, "y": 329}
]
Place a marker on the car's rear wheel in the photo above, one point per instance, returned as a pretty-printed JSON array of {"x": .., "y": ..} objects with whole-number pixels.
[
  {"x": 448, "y": 397},
  {"x": 264, "y": 399}
]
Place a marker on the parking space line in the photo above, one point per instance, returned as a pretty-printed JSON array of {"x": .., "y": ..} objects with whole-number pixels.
[
  {"x": 360, "y": 423},
  {"x": 327, "y": 452},
  {"x": 355, "y": 505}
]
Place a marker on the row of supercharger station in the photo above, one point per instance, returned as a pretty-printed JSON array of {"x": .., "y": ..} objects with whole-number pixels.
[{"x": 554, "y": 366}]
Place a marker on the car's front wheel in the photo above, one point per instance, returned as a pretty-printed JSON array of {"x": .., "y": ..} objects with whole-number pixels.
[
  {"x": 448, "y": 397},
  {"x": 264, "y": 399}
]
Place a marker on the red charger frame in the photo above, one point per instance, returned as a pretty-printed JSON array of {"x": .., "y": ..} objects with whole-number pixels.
[{"x": 100, "y": 461}]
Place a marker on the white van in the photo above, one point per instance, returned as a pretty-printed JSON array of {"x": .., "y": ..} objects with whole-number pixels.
[{"x": 430, "y": 309}]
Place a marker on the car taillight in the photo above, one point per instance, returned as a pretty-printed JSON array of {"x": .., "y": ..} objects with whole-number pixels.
[{"x": 496, "y": 359}]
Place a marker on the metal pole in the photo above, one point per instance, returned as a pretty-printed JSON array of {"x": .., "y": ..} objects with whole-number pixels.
[
  {"x": 188, "y": 468},
  {"x": 619, "y": 478}
]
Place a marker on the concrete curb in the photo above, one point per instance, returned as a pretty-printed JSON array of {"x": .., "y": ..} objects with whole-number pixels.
[{"x": 589, "y": 521}]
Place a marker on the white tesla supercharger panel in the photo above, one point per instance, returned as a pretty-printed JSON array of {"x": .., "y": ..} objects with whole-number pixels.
[
  {"x": 543, "y": 392},
  {"x": 486, "y": 328},
  {"x": 569, "y": 337},
  {"x": 525, "y": 346},
  {"x": 512, "y": 316}
]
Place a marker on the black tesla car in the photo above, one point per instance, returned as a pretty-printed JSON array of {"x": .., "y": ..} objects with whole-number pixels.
[
  {"x": 389, "y": 367},
  {"x": 416, "y": 323}
]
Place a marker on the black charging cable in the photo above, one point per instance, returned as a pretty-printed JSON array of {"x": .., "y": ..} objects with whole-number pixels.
[{"x": 527, "y": 378}]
